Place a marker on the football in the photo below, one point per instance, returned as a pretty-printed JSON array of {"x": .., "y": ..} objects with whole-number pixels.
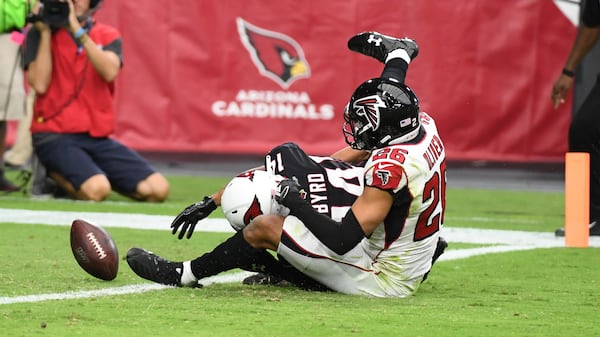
[{"x": 94, "y": 250}]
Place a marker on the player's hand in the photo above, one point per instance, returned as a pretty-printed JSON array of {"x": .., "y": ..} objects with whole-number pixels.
[
  {"x": 290, "y": 194},
  {"x": 190, "y": 216}
]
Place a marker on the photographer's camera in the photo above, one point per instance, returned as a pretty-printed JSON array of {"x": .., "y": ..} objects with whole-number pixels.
[{"x": 55, "y": 13}]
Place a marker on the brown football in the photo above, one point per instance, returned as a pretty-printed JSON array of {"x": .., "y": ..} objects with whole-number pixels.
[{"x": 94, "y": 250}]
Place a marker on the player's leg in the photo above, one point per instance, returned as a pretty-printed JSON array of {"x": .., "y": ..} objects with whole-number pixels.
[
  {"x": 439, "y": 250},
  {"x": 234, "y": 252},
  {"x": 380, "y": 46},
  {"x": 351, "y": 273},
  {"x": 285, "y": 274},
  {"x": 395, "y": 53},
  {"x": 265, "y": 232}
]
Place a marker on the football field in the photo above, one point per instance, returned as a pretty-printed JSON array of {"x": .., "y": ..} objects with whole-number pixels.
[{"x": 503, "y": 274}]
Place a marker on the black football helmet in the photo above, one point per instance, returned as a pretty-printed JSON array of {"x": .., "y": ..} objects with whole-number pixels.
[{"x": 381, "y": 112}]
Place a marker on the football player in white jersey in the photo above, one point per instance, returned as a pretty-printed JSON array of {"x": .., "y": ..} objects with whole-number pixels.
[{"x": 385, "y": 244}]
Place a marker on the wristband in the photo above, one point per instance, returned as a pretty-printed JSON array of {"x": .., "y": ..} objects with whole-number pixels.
[
  {"x": 79, "y": 33},
  {"x": 568, "y": 73}
]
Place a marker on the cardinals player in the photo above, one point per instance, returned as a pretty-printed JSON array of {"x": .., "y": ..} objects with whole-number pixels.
[{"x": 386, "y": 243}]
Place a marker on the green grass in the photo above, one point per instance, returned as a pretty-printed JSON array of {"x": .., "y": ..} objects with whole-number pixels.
[{"x": 540, "y": 292}]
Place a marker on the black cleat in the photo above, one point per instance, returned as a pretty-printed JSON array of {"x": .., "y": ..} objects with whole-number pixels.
[
  {"x": 379, "y": 46},
  {"x": 439, "y": 250},
  {"x": 594, "y": 230},
  {"x": 265, "y": 279},
  {"x": 152, "y": 267}
]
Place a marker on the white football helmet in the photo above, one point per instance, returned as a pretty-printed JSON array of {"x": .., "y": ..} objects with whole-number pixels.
[{"x": 249, "y": 195}]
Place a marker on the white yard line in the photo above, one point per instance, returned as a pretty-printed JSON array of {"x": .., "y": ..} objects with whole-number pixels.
[
  {"x": 123, "y": 290},
  {"x": 124, "y": 220},
  {"x": 503, "y": 241}
]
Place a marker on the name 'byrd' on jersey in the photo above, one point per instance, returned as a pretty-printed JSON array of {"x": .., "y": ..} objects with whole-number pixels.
[{"x": 332, "y": 185}]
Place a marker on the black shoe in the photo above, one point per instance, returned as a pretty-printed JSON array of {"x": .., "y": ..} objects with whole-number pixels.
[
  {"x": 152, "y": 267},
  {"x": 594, "y": 230},
  {"x": 265, "y": 279},
  {"x": 7, "y": 186},
  {"x": 441, "y": 246},
  {"x": 379, "y": 46}
]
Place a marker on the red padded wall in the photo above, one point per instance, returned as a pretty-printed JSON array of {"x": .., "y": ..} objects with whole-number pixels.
[{"x": 484, "y": 71}]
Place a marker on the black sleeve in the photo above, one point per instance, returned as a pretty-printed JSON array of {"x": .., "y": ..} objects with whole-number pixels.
[
  {"x": 32, "y": 43},
  {"x": 590, "y": 15},
  {"x": 289, "y": 160},
  {"x": 116, "y": 47},
  {"x": 340, "y": 237}
]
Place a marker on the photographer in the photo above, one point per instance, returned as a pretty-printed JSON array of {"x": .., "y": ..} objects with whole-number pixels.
[
  {"x": 73, "y": 62},
  {"x": 12, "y": 90}
]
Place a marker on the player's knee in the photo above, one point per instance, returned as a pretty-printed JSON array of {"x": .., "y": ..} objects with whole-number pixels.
[{"x": 264, "y": 232}]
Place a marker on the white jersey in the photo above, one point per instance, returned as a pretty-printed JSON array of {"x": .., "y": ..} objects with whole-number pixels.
[
  {"x": 393, "y": 260},
  {"x": 415, "y": 174}
]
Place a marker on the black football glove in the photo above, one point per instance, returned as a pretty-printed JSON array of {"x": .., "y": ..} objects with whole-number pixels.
[
  {"x": 290, "y": 194},
  {"x": 190, "y": 216}
]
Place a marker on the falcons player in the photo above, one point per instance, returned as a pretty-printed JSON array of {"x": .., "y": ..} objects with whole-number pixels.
[{"x": 385, "y": 244}]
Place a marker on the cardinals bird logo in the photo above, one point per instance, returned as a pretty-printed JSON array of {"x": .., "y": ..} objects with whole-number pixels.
[
  {"x": 253, "y": 211},
  {"x": 276, "y": 55}
]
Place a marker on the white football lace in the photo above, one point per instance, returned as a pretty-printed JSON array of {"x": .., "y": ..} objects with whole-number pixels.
[{"x": 92, "y": 238}]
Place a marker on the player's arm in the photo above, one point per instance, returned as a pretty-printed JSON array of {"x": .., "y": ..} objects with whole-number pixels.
[
  {"x": 350, "y": 155},
  {"x": 367, "y": 212},
  {"x": 371, "y": 208},
  {"x": 186, "y": 221}
]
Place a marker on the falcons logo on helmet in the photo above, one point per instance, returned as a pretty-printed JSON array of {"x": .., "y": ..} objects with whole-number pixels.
[
  {"x": 276, "y": 55},
  {"x": 369, "y": 108}
]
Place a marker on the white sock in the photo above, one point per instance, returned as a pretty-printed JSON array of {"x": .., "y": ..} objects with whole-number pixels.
[
  {"x": 187, "y": 277},
  {"x": 398, "y": 53}
]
